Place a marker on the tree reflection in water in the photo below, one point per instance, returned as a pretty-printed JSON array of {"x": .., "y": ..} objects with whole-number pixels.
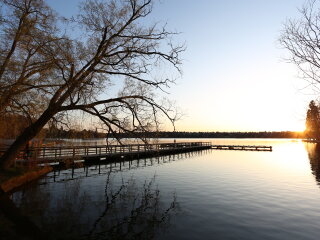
[
  {"x": 126, "y": 210},
  {"x": 313, "y": 150}
]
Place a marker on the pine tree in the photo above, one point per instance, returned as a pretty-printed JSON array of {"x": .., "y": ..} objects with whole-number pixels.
[{"x": 313, "y": 121}]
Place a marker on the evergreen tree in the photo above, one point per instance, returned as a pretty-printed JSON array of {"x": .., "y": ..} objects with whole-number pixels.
[{"x": 313, "y": 121}]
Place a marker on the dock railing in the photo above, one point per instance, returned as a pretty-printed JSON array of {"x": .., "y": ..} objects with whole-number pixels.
[{"x": 80, "y": 152}]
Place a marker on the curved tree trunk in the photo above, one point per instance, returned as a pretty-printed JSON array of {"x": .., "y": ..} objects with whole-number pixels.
[{"x": 8, "y": 158}]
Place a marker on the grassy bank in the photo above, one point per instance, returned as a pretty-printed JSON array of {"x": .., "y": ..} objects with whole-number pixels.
[{"x": 16, "y": 177}]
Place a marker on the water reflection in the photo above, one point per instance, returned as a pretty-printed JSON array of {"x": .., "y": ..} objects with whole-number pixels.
[
  {"x": 80, "y": 170},
  {"x": 122, "y": 209},
  {"x": 101, "y": 201},
  {"x": 313, "y": 150},
  {"x": 222, "y": 194}
]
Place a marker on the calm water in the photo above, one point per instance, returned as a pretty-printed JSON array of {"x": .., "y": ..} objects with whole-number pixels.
[{"x": 210, "y": 194}]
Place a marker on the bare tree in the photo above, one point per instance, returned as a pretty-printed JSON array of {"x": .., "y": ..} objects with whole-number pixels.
[
  {"x": 27, "y": 29},
  {"x": 302, "y": 38},
  {"x": 112, "y": 44}
]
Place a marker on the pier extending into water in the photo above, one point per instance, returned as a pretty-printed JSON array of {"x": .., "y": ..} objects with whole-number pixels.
[
  {"x": 242, "y": 147},
  {"x": 98, "y": 153},
  {"x": 104, "y": 153}
]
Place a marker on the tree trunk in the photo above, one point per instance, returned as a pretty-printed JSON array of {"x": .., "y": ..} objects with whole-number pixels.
[{"x": 8, "y": 158}]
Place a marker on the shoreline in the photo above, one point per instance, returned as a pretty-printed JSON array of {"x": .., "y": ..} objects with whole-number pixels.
[{"x": 13, "y": 180}]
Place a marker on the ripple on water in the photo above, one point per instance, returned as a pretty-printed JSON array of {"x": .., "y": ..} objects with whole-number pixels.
[{"x": 221, "y": 194}]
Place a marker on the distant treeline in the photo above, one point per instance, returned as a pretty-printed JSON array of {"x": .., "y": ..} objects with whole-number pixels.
[
  {"x": 12, "y": 125},
  {"x": 53, "y": 132},
  {"x": 60, "y": 133},
  {"x": 284, "y": 134}
]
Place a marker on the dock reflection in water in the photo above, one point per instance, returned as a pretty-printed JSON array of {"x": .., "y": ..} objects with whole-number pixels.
[
  {"x": 81, "y": 171},
  {"x": 122, "y": 211},
  {"x": 64, "y": 206},
  {"x": 221, "y": 195}
]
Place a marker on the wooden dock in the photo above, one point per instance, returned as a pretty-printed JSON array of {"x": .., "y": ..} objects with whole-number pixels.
[
  {"x": 65, "y": 155},
  {"x": 242, "y": 147},
  {"x": 98, "y": 153},
  {"x": 77, "y": 171}
]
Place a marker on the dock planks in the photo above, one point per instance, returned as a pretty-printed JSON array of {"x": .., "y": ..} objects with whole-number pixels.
[
  {"x": 40, "y": 155},
  {"x": 242, "y": 147},
  {"x": 98, "y": 153}
]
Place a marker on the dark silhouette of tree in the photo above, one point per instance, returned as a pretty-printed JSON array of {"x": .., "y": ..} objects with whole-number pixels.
[
  {"x": 113, "y": 47},
  {"x": 301, "y": 37},
  {"x": 313, "y": 121},
  {"x": 28, "y": 31},
  {"x": 314, "y": 158}
]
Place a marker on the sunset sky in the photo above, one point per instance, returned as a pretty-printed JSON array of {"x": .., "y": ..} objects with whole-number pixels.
[{"x": 234, "y": 77}]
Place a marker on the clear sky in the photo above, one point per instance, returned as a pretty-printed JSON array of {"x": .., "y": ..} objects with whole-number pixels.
[{"x": 234, "y": 74}]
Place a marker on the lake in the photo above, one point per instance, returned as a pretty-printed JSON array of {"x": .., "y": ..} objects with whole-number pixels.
[{"x": 209, "y": 194}]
